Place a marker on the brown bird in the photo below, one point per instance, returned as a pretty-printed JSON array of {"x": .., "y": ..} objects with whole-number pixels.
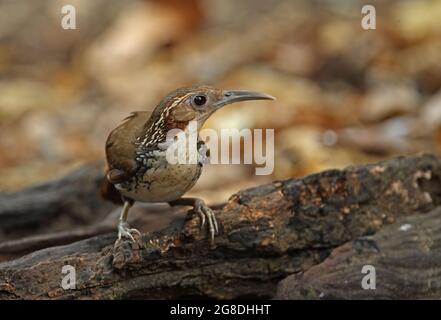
[{"x": 137, "y": 165}]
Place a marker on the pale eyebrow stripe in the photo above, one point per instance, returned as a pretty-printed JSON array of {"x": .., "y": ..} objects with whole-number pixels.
[{"x": 161, "y": 119}]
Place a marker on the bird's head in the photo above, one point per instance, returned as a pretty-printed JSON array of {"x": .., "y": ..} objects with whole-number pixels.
[{"x": 187, "y": 104}]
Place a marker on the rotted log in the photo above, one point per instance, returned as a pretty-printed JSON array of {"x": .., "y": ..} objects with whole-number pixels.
[
  {"x": 267, "y": 234},
  {"x": 57, "y": 212},
  {"x": 403, "y": 258},
  {"x": 74, "y": 197}
]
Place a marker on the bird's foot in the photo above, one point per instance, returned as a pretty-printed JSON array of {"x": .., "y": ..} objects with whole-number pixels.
[
  {"x": 124, "y": 231},
  {"x": 207, "y": 218}
]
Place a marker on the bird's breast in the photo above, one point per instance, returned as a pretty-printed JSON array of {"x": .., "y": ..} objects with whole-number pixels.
[{"x": 157, "y": 180}]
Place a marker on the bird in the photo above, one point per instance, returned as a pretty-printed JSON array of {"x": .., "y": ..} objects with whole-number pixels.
[{"x": 137, "y": 168}]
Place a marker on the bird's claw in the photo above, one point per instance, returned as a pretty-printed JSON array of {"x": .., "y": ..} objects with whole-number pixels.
[
  {"x": 125, "y": 231},
  {"x": 207, "y": 218}
]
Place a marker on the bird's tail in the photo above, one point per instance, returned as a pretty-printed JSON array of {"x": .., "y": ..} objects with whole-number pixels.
[{"x": 109, "y": 192}]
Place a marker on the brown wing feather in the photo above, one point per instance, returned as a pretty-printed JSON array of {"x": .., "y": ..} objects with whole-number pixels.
[
  {"x": 120, "y": 153},
  {"x": 121, "y": 148}
]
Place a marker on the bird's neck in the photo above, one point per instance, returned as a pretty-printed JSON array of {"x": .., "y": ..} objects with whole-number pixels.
[{"x": 158, "y": 131}]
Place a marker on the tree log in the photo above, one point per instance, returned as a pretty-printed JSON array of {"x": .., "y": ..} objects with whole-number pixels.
[
  {"x": 405, "y": 257},
  {"x": 72, "y": 200},
  {"x": 267, "y": 233}
]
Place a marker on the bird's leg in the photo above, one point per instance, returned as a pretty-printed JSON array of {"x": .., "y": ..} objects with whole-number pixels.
[
  {"x": 124, "y": 229},
  {"x": 205, "y": 214}
]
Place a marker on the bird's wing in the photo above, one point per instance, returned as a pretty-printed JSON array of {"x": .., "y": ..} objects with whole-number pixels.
[{"x": 120, "y": 147}]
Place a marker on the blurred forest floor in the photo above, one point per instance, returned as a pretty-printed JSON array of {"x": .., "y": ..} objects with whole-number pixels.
[{"x": 344, "y": 95}]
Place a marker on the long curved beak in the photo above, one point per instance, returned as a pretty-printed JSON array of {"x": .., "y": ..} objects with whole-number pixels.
[{"x": 241, "y": 95}]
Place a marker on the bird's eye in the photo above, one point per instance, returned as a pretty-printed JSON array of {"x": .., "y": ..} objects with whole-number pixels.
[{"x": 199, "y": 100}]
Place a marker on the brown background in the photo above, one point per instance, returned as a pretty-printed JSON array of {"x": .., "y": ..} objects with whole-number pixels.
[{"x": 345, "y": 95}]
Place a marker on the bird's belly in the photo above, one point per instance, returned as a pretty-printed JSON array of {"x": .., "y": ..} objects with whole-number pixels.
[{"x": 162, "y": 184}]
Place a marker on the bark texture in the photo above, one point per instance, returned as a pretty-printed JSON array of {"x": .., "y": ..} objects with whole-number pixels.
[
  {"x": 320, "y": 227},
  {"x": 406, "y": 258}
]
